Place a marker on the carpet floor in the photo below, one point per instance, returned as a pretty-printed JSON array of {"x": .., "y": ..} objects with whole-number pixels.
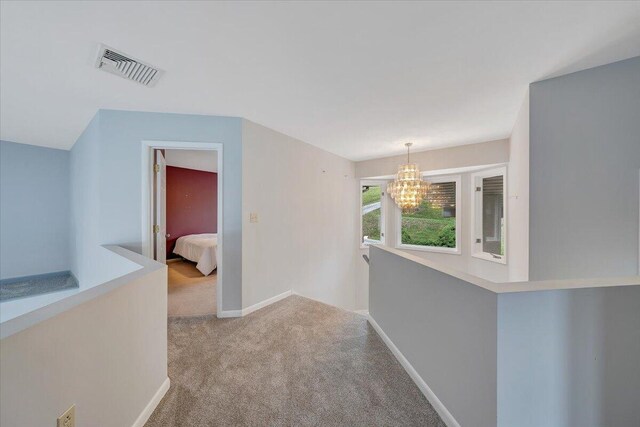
[
  {"x": 190, "y": 293},
  {"x": 297, "y": 362}
]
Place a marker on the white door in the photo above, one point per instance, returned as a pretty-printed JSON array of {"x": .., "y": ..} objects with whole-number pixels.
[{"x": 160, "y": 228}]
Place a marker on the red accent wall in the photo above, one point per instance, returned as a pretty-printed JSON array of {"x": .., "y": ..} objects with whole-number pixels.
[{"x": 192, "y": 204}]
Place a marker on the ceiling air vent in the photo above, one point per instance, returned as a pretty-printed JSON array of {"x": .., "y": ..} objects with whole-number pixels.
[{"x": 123, "y": 65}]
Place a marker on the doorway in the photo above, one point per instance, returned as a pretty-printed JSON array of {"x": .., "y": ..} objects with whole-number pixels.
[{"x": 182, "y": 214}]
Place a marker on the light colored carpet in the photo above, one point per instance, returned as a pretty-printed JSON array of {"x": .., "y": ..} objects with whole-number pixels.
[
  {"x": 297, "y": 362},
  {"x": 190, "y": 293}
]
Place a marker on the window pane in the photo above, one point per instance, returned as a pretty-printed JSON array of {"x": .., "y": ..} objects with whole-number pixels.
[
  {"x": 371, "y": 214},
  {"x": 493, "y": 215},
  {"x": 434, "y": 223}
]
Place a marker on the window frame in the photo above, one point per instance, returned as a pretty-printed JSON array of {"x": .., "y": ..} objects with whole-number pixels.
[
  {"x": 457, "y": 178},
  {"x": 476, "y": 214},
  {"x": 383, "y": 216}
]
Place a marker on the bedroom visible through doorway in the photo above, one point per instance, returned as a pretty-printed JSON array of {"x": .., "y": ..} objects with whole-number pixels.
[{"x": 185, "y": 213}]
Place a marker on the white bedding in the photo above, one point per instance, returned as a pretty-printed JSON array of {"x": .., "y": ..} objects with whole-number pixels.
[{"x": 200, "y": 248}]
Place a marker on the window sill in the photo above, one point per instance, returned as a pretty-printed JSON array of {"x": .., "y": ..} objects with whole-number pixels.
[
  {"x": 366, "y": 245},
  {"x": 450, "y": 251},
  {"x": 488, "y": 257}
]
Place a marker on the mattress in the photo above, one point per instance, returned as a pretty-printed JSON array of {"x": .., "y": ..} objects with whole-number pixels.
[{"x": 199, "y": 248}]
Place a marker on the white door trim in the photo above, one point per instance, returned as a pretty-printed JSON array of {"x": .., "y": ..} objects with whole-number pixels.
[
  {"x": 160, "y": 193},
  {"x": 147, "y": 199}
]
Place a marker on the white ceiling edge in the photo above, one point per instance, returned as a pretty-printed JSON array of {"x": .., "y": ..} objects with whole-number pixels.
[{"x": 201, "y": 160}]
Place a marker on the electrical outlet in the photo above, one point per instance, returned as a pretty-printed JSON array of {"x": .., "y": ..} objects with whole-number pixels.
[
  {"x": 253, "y": 217},
  {"x": 68, "y": 419}
]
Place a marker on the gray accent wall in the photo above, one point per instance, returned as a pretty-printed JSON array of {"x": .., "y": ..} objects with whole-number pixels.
[
  {"x": 34, "y": 210},
  {"x": 584, "y": 173},
  {"x": 445, "y": 327},
  {"x": 569, "y": 358},
  {"x": 558, "y": 358}
]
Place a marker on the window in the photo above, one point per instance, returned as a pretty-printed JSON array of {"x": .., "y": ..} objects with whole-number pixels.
[
  {"x": 435, "y": 226},
  {"x": 372, "y": 212},
  {"x": 489, "y": 215}
]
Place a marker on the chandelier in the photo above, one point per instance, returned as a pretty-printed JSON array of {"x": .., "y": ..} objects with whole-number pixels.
[{"x": 408, "y": 189}]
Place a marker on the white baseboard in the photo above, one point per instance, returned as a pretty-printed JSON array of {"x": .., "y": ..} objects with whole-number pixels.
[
  {"x": 241, "y": 313},
  {"x": 153, "y": 403},
  {"x": 229, "y": 313},
  {"x": 265, "y": 303},
  {"x": 362, "y": 312},
  {"x": 422, "y": 385}
]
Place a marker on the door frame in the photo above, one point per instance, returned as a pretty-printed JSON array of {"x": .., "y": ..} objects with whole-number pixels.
[
  {"x": 157, "y": 218},
  {"x": 148, "y": 146}
]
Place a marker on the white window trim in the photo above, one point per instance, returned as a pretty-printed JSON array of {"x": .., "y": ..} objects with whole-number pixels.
[
  {"x": 383, "y": 216},
  {"x": 476, "y": 209},
  {"x": 453, "y": 251}
]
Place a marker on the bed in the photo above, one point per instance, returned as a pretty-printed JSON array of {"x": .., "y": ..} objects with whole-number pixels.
[{"x": 199, "y": 248}]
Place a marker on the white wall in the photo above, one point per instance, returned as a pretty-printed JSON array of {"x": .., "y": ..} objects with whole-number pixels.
[
  {"x": 518, "y": 201},
  {"x": 305, "y": 239},
  {"x": 108, "y": 356}
]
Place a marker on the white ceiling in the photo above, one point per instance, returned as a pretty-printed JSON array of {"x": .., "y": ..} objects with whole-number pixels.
[
  {"x": 201, "y": 160},
  {"x": 357, "y": 79}
]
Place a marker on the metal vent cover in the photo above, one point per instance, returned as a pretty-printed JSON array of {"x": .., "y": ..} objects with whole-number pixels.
[{"x": 124, "y": 65}]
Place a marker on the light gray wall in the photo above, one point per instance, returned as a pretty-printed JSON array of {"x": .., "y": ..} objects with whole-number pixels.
[
  {"x": 569, "y": 358},
  {"x": 559, "y": 358},
  {"x": 445, "y": 327},
  {"x": 34, "y": 210},
  {"x": 85, "y": 202},
  {"x": 585, "y": 158},
  {"x": 107, "y": 182}
]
